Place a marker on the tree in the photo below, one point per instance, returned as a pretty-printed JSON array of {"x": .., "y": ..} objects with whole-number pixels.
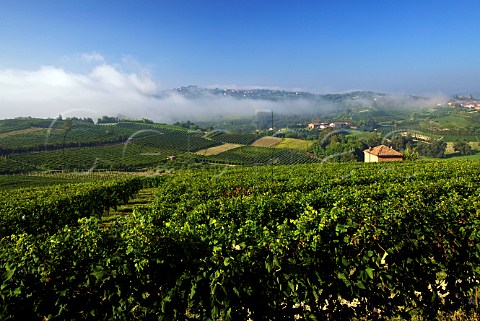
[
  {"x": 410, "y": 154},
  {"x": 400, "y": 142},
  {"x": 463, "y": 147},
  {"x": 434, "y": 148},
  {"x": 336, "y": 146},
  {"x": 106, "y": 119},
  {"x": 372, "y": 139}
]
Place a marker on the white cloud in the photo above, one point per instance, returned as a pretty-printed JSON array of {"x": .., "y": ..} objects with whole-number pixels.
[
  {"x": 50, "y": 90},
  {"x": 93, "y": 57},
  {"x": 106, "y": 89}
]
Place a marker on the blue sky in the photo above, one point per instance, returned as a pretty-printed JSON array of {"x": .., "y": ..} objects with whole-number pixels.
[{"x": 419, "y": 47}]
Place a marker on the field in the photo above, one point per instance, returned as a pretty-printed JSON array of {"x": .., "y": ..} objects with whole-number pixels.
[
  {"x": 119, "y": 156},
  {"x": 318, "y": 241},
  {"x": 217, "y": 149},
  {"x": 57, "y": 178},
  {"x": 451, "y": 138},
  {"x": 258, "y": 156},
  {"x": 233, "y": 138},
  {"x": 20, "y": 131},
  {"x": 450, "y": 153},
  {"x": 267, "y": 141},
  {"x": 295, "y": 144},
  {"x": 33, "y": 145},
  {"x": 475, "y": 156}
]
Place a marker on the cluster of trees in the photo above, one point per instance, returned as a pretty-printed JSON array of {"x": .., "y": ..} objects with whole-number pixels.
[
  {"x": 86, "y": 120},
  {"x": 107, "y": 120},
  {"x": 188, "y": 125},
  {"x": 338, "y": 146},
  {"x": 462, "y": 147},
  {"x": 434, "y": 148},
  {"x": 143, "y": 120}
]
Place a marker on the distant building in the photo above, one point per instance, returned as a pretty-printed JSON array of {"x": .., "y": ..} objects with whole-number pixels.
[
  {"x": 313, "y": 125},
  {"x": 466, "y": 102},
  {"x": 416, "y": 136},
  {"x": 335, "y": 124},
  {"x": 340, "y": 124},
  {"x": 382, "y": 153},
  {"x": 318, "y": 125}
]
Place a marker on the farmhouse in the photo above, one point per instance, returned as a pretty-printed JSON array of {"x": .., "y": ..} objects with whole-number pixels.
[
  {"x": 317, "y": 125},
  {"x": 382, "y": 153},
  {"x": 323, "y": 125},
  {"x": 341, "y": 124}
]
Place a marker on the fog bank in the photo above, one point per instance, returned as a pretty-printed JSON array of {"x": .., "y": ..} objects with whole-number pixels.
[{"x": 106, "y": 89}]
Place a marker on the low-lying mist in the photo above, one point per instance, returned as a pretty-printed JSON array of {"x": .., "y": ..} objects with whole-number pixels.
[{"x": 108, "y": 90}]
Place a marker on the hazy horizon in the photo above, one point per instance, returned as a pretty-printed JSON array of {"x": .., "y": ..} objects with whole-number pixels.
[
  {"x": 106, "y": 89},
  {"x": 115, "y": 57}
]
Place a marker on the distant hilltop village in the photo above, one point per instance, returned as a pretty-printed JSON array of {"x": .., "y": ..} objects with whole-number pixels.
[
  {"x": 335, "y": 124},
  {"x": 465, "y": 102},
  {"x": 354, "y": 99}
]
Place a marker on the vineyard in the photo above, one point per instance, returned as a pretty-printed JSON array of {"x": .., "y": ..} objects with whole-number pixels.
[
  {"x": 8, "y": 182},
  {"x": 31, "y": 145},
  {"x": 61, "y": 134},
  {"x": 55, "y": 138},
  {"x": 140, "y": 154},
  {"x": 316, "y": 241},
  {"x": 11, "y": 125},
  {"x": 118, "y": 156},
  {"x": 233, "y": 138},
  {"x": 40, "y": 210},
  {"x": 173, "y": 140},
  {"x": 251, "y": 155}
]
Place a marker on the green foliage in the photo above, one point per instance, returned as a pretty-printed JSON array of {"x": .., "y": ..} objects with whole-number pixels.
[
  {"x": 462, "y": 147},
  {"x": 320, "y": 241},
  {"x": 188, "y": 125},
  {"x": 74, "y": 133},
  {"x": 336, "y": 146},
  {"x": 107, "y": 120},
  {"x": 433, "y": 148},
  {"x": 21, "y": 123},
  {"x": 112, "y": 157},
  {"x": 410, "y": 154},
  {"x": 233, "y": 138},
  {"x": 45, "y": 209},
  {"x": 401, "y": 142},
  {"x": 257, "y": 156},
  {"x": 9, "y": 182},
  {"x": 173, "y": 140},
  {"x": 72, "y": 144}
]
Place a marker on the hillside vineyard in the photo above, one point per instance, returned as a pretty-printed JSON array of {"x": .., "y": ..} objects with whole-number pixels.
[{"x": 318, "y": 241}]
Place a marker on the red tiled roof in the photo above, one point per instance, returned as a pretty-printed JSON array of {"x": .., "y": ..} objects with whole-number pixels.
[{"x": 382, "y": 150}]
